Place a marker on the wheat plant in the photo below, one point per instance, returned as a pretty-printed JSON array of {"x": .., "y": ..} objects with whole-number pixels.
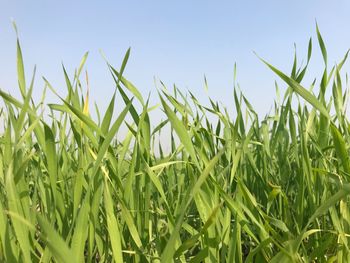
[{"x": 231, "y": 188}]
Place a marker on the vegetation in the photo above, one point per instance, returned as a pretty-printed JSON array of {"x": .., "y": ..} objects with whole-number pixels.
[{"x": 230, "y": 190}]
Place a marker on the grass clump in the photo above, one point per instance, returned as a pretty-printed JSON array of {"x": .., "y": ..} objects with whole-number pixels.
[{"x": 233, "y": 190}]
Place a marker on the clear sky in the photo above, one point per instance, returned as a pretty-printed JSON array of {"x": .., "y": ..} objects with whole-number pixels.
[{"x": 176, "y": 42}]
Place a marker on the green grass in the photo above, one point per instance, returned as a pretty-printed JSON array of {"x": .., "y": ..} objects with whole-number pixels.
[{"x": 229, "y": 190}]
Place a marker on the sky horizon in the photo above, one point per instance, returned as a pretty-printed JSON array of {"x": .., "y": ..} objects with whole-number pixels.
[{"x": 177, "y": 43}]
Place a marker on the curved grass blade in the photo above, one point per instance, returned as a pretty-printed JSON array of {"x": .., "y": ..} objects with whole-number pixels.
[{"x": 299, "y": 90}]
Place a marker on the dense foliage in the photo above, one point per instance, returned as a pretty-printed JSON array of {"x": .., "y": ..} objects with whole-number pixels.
[{"x": 229, "y": 190}]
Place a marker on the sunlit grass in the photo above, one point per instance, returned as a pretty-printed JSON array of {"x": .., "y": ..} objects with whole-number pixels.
[{"x": 230, "y": 190}]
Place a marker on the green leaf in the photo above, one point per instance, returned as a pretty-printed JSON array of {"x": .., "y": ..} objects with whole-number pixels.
[
  {"x": 51, "y": 158},
  {"x": 322, "y": 45},
  {"x": 112, "y": 226},
  {"x": 80, "y": 234},
  {"x": 54, "y": 241},
  {"x": 300, "y": 90},
  {"x": 20, "y": 70},
  {"x": 106, "y": 143},
  {"x": 128, "y": 85},
  {"x": 340, "y": 148},
  {"x": 181, "y": 131},
  {"x": 108, "y": 116}
]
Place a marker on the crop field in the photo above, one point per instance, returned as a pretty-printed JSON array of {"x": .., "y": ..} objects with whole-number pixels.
[{"x": 231, "y": 188}]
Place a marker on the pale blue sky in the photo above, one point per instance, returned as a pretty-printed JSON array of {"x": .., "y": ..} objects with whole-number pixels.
[{"x": 177, "y": 42}]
